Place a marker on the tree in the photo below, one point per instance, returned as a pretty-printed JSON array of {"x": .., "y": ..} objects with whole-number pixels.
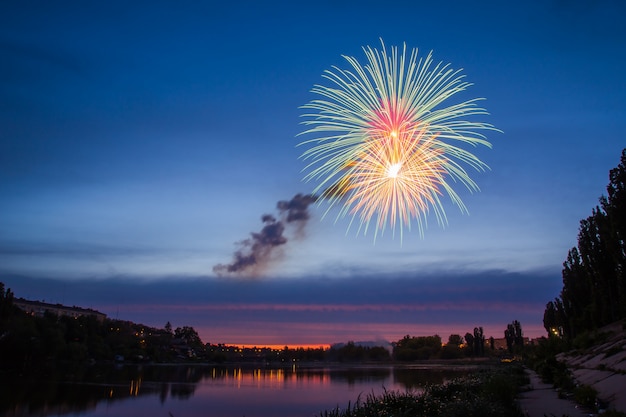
[
  {"x": 614, "y": 205},
  {"x": 509, "y": 337},
  {"x": 549, "y": 319},
  {"x": 519, "y": 335},
  {"x": 417, "y": 348},
  {"x": 514, "y": 336},
  {"x": 594, "y": 273},
  {"x": 455, "y": 340},
  {"x": 189, "y": 336},
  {"x": 469, "y": 339},
  {"x": 452, "y": 349},
  {"x": 576, "y": 293},
  {"x": 554, "y": 319},
  {"x": 6, "y": 302},
  {"x": 479, "y": 341}
]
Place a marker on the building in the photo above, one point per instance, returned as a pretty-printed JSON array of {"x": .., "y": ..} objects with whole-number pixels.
[
  {"x": 38, "y": 308},
  {"x": 500, "y": 344}
]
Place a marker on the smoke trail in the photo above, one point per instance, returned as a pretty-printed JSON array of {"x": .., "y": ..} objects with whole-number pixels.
[{"x": 258, "y": 251}]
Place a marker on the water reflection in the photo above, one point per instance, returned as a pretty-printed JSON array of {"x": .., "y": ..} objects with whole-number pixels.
[{"x": 82, "y": 391}]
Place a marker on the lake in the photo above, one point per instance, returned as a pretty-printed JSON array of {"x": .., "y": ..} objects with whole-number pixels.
[{"x": 216, "y": 391}]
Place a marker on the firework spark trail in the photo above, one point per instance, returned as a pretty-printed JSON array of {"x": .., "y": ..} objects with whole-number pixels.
[
  {"x": 385, "y": 145},
  {"x": 389, "y": 172},
  {"x": 257, "y": 252}
]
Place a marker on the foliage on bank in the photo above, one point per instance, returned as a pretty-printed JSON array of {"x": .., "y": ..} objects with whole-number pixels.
[{"x": 489, "y": 393}]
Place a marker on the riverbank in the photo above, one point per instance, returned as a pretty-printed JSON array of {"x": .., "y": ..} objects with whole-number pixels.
[
  {"x": 602, "y": 366},
  {"x": 591, "y": 369}
]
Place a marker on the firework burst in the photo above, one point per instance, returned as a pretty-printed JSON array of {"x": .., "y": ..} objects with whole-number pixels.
[{"x": 387, "y": 144}]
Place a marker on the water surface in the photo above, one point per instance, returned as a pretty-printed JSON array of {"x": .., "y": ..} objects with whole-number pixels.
[{"x": 216, "y": 391}]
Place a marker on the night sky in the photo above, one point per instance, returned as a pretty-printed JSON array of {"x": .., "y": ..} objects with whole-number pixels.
[{"x": 141, "y": 141}]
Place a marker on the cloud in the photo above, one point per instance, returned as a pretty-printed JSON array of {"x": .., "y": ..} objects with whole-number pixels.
[
  {"x": 69, "y": 249},
  {"x": 383, "y": 306}
]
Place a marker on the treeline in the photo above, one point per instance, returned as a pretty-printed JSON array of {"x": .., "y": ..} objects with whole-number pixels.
[
  {"x": 29, "y": 341},
  {"x": 594, "y": 273}
]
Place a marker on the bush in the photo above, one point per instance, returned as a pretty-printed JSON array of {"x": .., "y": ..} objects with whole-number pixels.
[
  {"x": 485, "y": 394},
  {"x": 451, "y": 352},
  {"x": 502, "y": 389},
  {"x": 554, "y": 372},
  {"x": 586, "y": 396}
]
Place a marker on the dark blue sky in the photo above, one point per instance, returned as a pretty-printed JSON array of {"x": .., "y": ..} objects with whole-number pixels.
[{"x": 139, "y": 141}]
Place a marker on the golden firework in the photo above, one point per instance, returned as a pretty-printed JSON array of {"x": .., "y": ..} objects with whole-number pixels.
[{"x": 386, "y": 145}]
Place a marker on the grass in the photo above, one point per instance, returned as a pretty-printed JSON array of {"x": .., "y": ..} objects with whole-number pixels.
[
  {"x": 489, "y": 393},
  {"x": 586, "y": 396}
]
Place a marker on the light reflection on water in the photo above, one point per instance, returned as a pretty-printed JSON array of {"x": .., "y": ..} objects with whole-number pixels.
[{"x": 216, "y": 391}]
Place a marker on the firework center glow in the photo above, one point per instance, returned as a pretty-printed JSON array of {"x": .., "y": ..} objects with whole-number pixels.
[{"x": 393, "y": 170}]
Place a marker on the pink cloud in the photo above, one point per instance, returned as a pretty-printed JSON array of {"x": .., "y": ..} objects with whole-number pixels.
[{"x": 287, "y": 307}]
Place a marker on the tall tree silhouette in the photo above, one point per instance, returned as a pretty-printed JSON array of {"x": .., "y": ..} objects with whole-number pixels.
[
  {"x": 469, "y": 339},
  {"x": 479, "y": 341},
  {"x": 594, "y": 273},
  {"x": 514, "y": 336}
]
